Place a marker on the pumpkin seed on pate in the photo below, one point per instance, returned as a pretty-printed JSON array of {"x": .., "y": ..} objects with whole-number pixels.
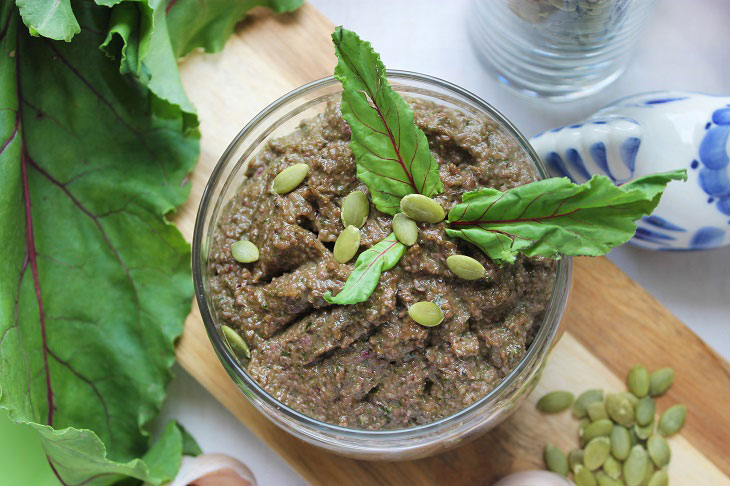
[
  {"x": 244, "y": 251},
  {"x": 347, "y": 244},
  {"x": 422, "y": 208},
  {"x": 469, "y": 269},
  {"x": 355, "y": 209},
  {"x": 405, "y": 229},
  {"x": 426, "y": 313},
  {"x": 289, "y": 179}
]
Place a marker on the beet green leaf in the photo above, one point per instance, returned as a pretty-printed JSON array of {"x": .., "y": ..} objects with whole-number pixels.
[
  {"x": 209, "y": 23},
  {"x": 392, "y": 153},
  {"x": 369, "y": 265},
  {"x": 554, "y": 217},
  {"x": 94, "y": 282}
]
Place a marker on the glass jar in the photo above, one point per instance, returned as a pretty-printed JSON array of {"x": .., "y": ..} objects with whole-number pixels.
[
  {"x": 557, "y": 49},
  {"x": 279, "y": 119}
]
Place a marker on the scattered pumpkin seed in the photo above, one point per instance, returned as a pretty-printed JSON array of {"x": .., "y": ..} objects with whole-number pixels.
[
  {"x": 599, "y": 428},
  {"x": 426, "y": 313},
  {"x": 672, "y": 420},
  {"x": 633, "y": 399},
  {"x": 289, "y": 179},
  {"x": 649, "y": 472},
  {"x": 580, "y": 406},
  {"x": 355, "y": 209},
  {"x": 633, "y": 436},
  {"x": 422, "y": 208},
  {"x": 619, "y": 409},
  {"x": 236, "y": 342},
  {"x": 582, "y": 426},
  {"x": 469, "y": 269},
  {"x": 575, "y": 458},
  {"x": 620, "y": 442},
  {"x": 643, "y": 432},
  {"x": 347, "y": 244},
  {"x": 635, "y": 466},
  {"x": 603, "y": 479},
  {"x": 597, "y": 411},
  {"x": 584, "y": 477},
  {"x": 645, "y": 411},
  {"x": 244, "y": 251},
  {"x": 612, "y": 467},
  {"x": 405, "y": 229},
  {"x": 659, "y": 450},
  {"x": 555, "y": 401},
  {"x": 637, "y": 381},
  {"x": 596, "y": 452},
  {"x": 660, "y": 381},
  {"x": 556, "y": 460},
  {"x": 659, "y": 478}
]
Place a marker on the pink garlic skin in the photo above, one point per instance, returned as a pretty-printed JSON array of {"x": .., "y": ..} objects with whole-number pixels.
[
  {"x": 534, "y": 478},
  {"x": 213, "y": 470}
]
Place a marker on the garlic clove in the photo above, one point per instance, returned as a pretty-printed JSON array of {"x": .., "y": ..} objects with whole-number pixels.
[
  {"x": 213, "y": 470},
  {"x": 534, "y": 478}
]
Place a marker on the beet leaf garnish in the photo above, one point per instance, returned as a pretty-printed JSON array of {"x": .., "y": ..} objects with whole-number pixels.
[
  {"x": 554, "y": 217},
  {"x": 369, "y": 265},
  {"x": 392, "y": 153}
]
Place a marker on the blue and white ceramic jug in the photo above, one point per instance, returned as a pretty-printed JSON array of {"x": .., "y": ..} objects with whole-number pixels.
[{"x": 656, "y": 132}]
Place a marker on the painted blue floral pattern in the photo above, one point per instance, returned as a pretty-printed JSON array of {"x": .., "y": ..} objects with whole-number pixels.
[{"x": 715, "y": 173}]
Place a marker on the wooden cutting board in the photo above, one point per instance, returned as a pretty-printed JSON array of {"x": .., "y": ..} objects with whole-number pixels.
[{"x": 611, "y": 321}]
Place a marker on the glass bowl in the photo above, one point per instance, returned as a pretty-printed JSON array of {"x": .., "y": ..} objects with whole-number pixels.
[{"x": 280, "y": 118}]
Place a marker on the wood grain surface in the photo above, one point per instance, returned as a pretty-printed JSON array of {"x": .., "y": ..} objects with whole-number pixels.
[{"x": 611, "y": 322}]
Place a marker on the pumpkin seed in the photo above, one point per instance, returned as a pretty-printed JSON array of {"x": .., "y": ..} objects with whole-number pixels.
[
  {"x": 355, "y": 209},
  {"x": 347, "y": 244},
  {"x": 619, "y": 409},
  {"x": 645, "y": 410},
  {"x": 289, "y": 179},
  {"x": 575, "y": 458},
  {"x": 236, "y": 342},
  {"x": 620, "y": 442},
  {"x": 672, "y": 420},
  {"x": 426, "y": 313},
  {"x": 596, "y": 452},
  {"x": 659, "y": 450},
  {"x": 599, "y": 428},
  {"x": 583, "y": 476},
  {"x": 659, "y": 478},
  {"x": 597, "y": 411},
  {"x": 635, "y": 466},
  {"x": 244, "y": 251},
  {"x": 633, "y": 399},
  {"x": 660, "y": 381},
  {"x": 582, "y": 427},
  {"x": 555, "y": 402},
  {"x": 649, "y": 472},
  {"x": 612, "y": 467},
  {"x": 555, "y": 460},
  {"x": 469, "y": 269},
  {"x": 405, "y": 229},
  {"x": 633, "y": 436},
  {"x": 421, "y": 208},
  {"x": 604, "y": 479},
  {"x": 580, "y": 406},
  {"x": 637, "y": 381},
  {"x": 643, "y": 432}
]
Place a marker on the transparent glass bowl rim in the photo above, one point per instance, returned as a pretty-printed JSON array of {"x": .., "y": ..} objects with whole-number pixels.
[{"x": 545, "y": 334}]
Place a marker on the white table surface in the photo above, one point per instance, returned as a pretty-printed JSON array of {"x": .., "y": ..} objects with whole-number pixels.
[{"x": 684, "y": 47}]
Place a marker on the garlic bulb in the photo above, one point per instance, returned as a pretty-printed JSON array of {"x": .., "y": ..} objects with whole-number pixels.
[
  {"x": 213, "y": 470},
  {"x": 534, "y": 478}
]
